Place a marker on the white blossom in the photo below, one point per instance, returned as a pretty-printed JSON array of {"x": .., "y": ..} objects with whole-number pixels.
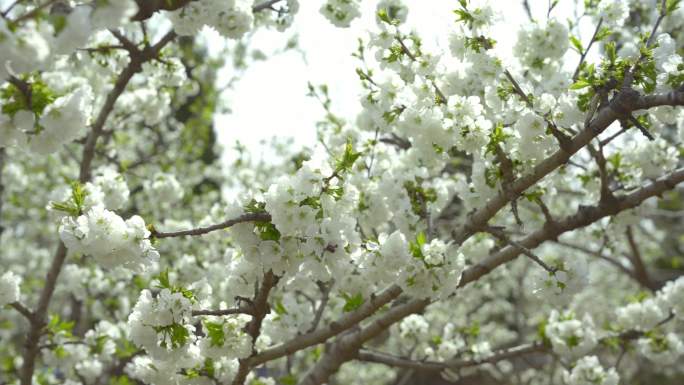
[
  {"x": 588, "y": 371},
  {"x": 9, "y": 288}
]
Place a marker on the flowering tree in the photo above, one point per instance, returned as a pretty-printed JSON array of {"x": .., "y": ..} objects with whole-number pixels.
[{"x": 483, "y": 220}]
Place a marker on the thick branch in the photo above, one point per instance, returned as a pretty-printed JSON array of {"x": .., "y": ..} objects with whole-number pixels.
[
  {"x": 259, "y": 309},
  {"x": 346, "y": 322},
  {"x": 39, "y": 316},
  {"x": 640, "y": 272},
  {"x": 347, "y": 347},
  {"x": 584, "y": 216},
  {"x": 503, "y": 354},
  {"x": 137, "y": 58},
  {"x": 623, "y": 104},
  {"x": 253, "y": 217}
]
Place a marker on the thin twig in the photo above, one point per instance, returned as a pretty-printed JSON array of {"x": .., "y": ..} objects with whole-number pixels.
[
  {"x": 222, "y": 312},
  {"x": 325, "y": 292},
  {"x": 586, "y": 51},
  {"x": 250, "y": 217},
  {"x": 527, "y": 252},
  {"x": 32, "y": 13}
]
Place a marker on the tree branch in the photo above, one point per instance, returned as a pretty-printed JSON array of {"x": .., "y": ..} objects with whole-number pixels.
[
  {"x": 345, "y": 322},
  {"x": 251, "y": 217},
  {"x": 239, "y": 310},
  {"x": 259, "y": 309},
  {"x": 347, "y": 346},
  {"x": 18, "y": 306},
  {"x": 583, "y": 217},
  {"x": 624, "y": 103},
  {"x": 38, "y": 321},
  {"x": 34, "y": 12},
  {"x": 503, "y": 354},
  {"x": 640, "y": 272},
  {"x": 586, "y": 51},
  {"x": 39, "y": 315},
  {"x": 137, "y": 58}
]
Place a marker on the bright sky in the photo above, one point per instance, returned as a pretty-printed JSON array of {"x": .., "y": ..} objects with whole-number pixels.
[{"x": 270, "y": 98}]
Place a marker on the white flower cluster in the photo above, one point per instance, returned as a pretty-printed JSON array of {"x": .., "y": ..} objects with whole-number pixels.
[
  {"x": 449, "y": 344},
  {"x": 571, "y": 277},
  {"x": 472, "y": 129},
  {"x": 644, "y": 315},
  {"x": 532, "y": 141},
  {"x": 164, "y": 188},
  {"x": 413, "y": 326},
  {"x": 613, "y": 12},
  {"x": 291, "y": 317},
  {"x": 109, "y": 239},
  {"x": 666, "y": 58},
  {"x": 395, "y": 10},
  {"x": 423, "y": 270},
  {"x": 661, "y": 350},
  {"x": 157, "y": 322},
  {"x": 537, "y": 45},
  {"x": 231, "y": 18},
  {"x": 31, "y": 46},
  {"x": 571, "y": 337},
  {"x": 588, "y": 371},
  {"x": 63, "y": 121},
  {"x": 225, "y": 337},
  {"x": 434, "y": 272},
  {"x": 9, "y": 288},
  {"x": 651, "y": 158},
  {"x": 672, "y": 296},
  {"x": 108, "y": 188},
  {"x": 341, "y": 12},
  {"x": 163, "y": 326},
  {"x": 25, "y": 48},
  {"x": 313, "y": 218}
]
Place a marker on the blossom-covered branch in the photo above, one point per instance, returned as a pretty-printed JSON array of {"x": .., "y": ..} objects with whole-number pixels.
[{"x": 250, "y": 217}]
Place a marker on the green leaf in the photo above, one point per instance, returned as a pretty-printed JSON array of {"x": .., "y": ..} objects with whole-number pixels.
[
  {"x": 165, "y": 283},
  {"x": 120, "y": 380},
  {"x": 420, "y": 239},
  {"x": 352, "y": 302},
  {"x": 255, "y": 207},
  {"x": 611, "y": 52},
  {"x": 215, "y": 333},
  {"x": 577, "y": 44},
  {"x": 672, "y": 5},
  {"x": 176, "y": 333},
  {"x": 15, "y": 100},
  {"x": 289, "y": 379},
  {"x": 57, "y": 326},
  {"x": 603, "y": 33},
  {"x": 74, "y": 205},
  {"x": 383, "y": 16},
  {"x": 280, "y": 308},
  {"x": 496, "y": 137},
  {"x": 163, "y": 278},
  {"x": 267, "y": 231},
  {"x": 348, "y": 158},
  {"x": 579, "y": 85}
]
